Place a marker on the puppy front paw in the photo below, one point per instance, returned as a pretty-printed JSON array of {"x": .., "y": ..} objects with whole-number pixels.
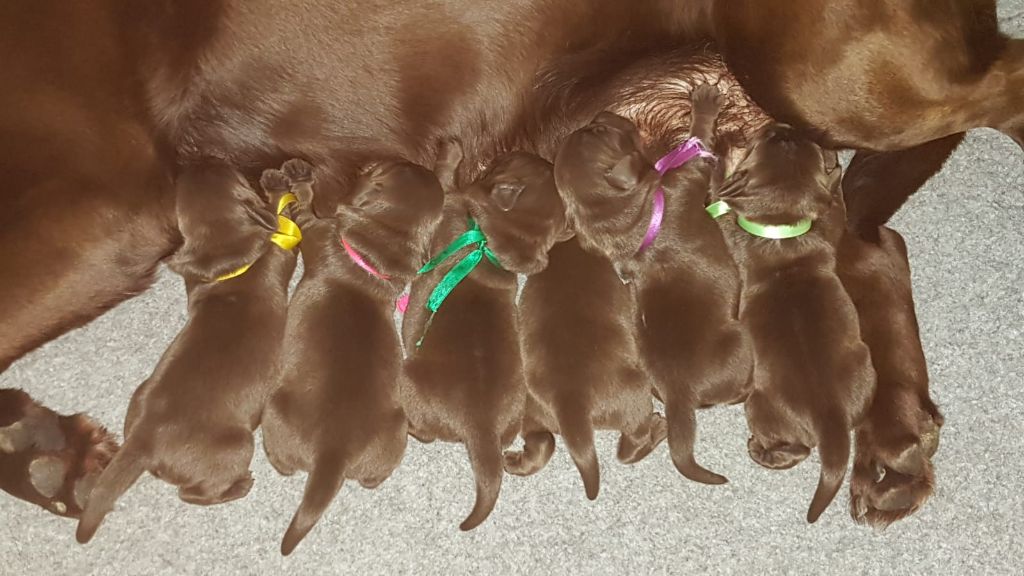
[
  {"x": 275, "y": 181},
  {"x": 298, "y": 171},
  {"x": 706, "y": 100}
]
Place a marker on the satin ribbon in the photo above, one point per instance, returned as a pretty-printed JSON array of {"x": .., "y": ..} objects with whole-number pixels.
[
  {"x": 361, "y": 262},
  {"x": 678, "y": 156},
  {"x": 770, "y": 231},
  {"x": 460, "y": 271},
  {"x": 287, "y": 235}
]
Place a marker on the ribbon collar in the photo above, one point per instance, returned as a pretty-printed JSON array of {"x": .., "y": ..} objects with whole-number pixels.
[
  {"x": 772, "y": 232},
  {"x": 459, "y": 272},
  {"x": 361, "y": 262},
  {"x": 287, "y": 235},
  {"x": 680, "y": 155}
]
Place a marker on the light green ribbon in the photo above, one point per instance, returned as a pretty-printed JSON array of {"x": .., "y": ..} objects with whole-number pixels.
[
  {"x": 770, "y": 231},
  {"x": 460, "y": 271}
]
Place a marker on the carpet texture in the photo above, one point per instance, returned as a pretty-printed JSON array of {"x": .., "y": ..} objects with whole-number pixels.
[{"x": 966, "y": 243}]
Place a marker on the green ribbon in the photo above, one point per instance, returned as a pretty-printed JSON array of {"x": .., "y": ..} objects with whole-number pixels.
[
  {"x": 460, "y": 271},
  {"x": 770, "y": 231}
]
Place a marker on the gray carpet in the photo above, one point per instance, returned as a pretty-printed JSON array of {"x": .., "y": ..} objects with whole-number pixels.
[{"x": 966, "y": 237}]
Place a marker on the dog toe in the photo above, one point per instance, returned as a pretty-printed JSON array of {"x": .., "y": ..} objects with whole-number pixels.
[
  {"x": 298, "y": 170},
  {"x": 275, "y": 181},
  {"x": 52, "y": 460}
]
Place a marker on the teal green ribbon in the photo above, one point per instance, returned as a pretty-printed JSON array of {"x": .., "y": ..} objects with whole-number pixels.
[
  {"x": 770, "y": 231},
  {"x": 460, "y": 271}
]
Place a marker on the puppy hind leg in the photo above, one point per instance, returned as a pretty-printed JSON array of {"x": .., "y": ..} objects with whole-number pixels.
[
  {"x": 638, "y": 442},
  {"x": 707, "y": 102},
  {"x": 538, "y": 440}
]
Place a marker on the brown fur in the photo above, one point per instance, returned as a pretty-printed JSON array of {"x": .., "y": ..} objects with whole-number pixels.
[
  {"x": 337, "y": 413},
  {"x": 892, "y": 470},
  {"x": 465, "y": 382},
  {"x": 577, "y": 325},
  {"x": 191, "y": 422},
  {"x": 687, "y": 285},
  {"x": 115, "y": 97},
  {"x": 813, "y": 379},
  {"x": 48, "y": 459}
]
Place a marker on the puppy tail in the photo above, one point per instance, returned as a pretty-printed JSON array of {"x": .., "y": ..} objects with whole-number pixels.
[
  {"x": 578, "y": 433},
  {"x": 486, "y": 456},
  {"x": 123, "y": 471},
  {"x": 323, "y": 484},
  {"x": 834, "y": 450},
  {"x": 682, "y": 433}
]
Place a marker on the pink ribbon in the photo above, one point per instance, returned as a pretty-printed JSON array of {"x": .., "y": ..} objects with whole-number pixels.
[
  {"x": 359, "y": 261},
  {"x": 678, "y": 156}
]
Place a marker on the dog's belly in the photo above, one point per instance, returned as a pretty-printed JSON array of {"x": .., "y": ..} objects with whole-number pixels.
[{"x": 338, "y": 82}]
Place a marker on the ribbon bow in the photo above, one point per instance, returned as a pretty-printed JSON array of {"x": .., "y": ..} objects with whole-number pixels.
[
  {"x": 680, "y": 155},
  {"x": 287, "y": 235},
  {"x": 772, "y": 232},
  {"x": 460, "y": 271}
]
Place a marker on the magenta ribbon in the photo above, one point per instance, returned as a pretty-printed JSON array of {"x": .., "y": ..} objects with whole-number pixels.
[
  {"x": 362, "y": 263},
  {"x": 678, "y": 156}
]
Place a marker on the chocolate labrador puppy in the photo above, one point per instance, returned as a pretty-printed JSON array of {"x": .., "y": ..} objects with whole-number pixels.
[
  {"x": 464, "y": 377},
  {"x": 337, "y": 413},
  {"x": 191, "y": 422},
  {"x": 577, "y": 326},
  {"x": 813, "y": 379},
  {"x": 655, "y": 230}
]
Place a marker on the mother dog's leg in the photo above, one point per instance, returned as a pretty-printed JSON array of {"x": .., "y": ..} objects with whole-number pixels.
[
  {"x": 86, "y": 213},
  {"x": 877, "y": 184},
  {"x": 893, "y": 474}
]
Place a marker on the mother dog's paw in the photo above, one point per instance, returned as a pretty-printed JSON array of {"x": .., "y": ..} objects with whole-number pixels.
[
  {"x": 893, "y": 475},
  {"x": 50, "y": 460}
]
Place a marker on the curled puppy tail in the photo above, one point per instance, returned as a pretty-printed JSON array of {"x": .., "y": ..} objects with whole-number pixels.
[
  {"x": 323, "y": 484},
  {"x": 682, "y": 433},
  {"x": 486, "y": 456},
  {"x": 122, "y": 472},
  {"x": 834, "y": 449},
  {"x": 578, "y": 433}
]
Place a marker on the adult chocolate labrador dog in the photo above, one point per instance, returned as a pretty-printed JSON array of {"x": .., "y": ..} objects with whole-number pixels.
[{"x": 113, "y": 99}]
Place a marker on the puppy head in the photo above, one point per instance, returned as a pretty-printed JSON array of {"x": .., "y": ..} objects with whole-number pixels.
[
  {"x": 223, "y": 221},
  {"x": 784, "y": 178},
  {"x": 604, "y": 180},
  {"x": 394, "y": 209},
  {"x": 518, "y": 208}
]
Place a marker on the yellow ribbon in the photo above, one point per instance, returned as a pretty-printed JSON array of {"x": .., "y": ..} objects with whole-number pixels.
[{"x": 287, "y": 235}]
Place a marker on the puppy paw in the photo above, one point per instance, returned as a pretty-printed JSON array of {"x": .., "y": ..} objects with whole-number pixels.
[
  {"x": 275, "y": 182},
  {"x": 635, "y": 447},
  {"x": 298, "y": 170},
  {"x": 50, "y": 460},
  {"x": 779, "y": 456},
  {"x": 893, "y": 475},
  {"x": 706, "y": 100},
  {"x": 515, "y": 463}
]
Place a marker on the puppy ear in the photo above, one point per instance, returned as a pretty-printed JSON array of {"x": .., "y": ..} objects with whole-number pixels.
[
  {"x": 229, "y": 229},
  {"x": 505, "y": 194},
  {"x": 625, "y": 175}
]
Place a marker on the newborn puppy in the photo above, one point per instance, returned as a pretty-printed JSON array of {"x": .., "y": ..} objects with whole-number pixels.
[
  {"x": 464, "y": 377},
  {"x": 577, "y": 325},
  {"x": 687, "y": 284},
  {"x": 813, "y": 378},
  {"x": 191, "y": 422},
  {"x": 337, "y": 413}
]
